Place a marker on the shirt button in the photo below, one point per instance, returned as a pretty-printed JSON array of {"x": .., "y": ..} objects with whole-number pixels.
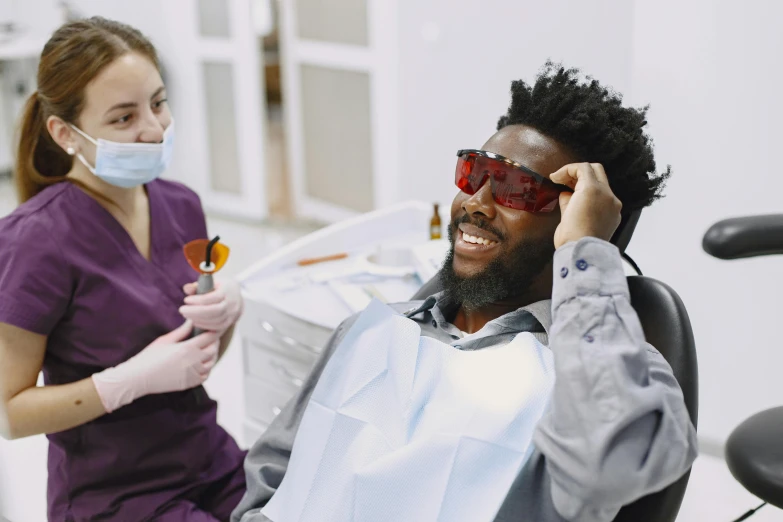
[
  {"x": 581, "y": 264},
  {"x": 589, "y": 338},
  {"x": 434, "y": 323},
  {"x": 563, "y": 272}
]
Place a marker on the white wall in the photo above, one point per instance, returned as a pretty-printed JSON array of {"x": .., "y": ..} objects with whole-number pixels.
[
  {"x": 39, "y": 17},
  {"x": 710, "y": 71},
  {"x": 454, "y": 89}
]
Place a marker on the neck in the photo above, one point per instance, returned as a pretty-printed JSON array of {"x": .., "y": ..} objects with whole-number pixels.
[
  {"x": 471, "y": 320},
  {"x": 127, "y": 201}
]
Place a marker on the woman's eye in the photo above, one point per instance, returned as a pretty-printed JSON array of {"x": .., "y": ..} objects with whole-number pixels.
[
  {"x": 159, "y": 104},
  {"x": 124, "y": 119}
]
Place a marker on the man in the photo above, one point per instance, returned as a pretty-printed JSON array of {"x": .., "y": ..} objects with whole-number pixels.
[{"x": 528, "y": 391}]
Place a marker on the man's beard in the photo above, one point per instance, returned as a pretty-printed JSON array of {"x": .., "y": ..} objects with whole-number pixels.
[{"x": 509, "y": 275}]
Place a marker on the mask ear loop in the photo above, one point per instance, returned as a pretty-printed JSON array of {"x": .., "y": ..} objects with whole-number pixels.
[
  {"x": 86, "y": 136},
  {"x": 79, "y": 155},
  {"x": 86, "y": 164}
]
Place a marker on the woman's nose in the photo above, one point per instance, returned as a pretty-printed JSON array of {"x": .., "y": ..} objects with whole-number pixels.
[{"x": 152, "y": 130}]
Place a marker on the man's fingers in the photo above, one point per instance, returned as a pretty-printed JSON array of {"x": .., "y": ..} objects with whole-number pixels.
[
  {"x": 565, "y": 199},
  {"x": 563, "y": 176},
  {"x": 572, "y": 173},
  {"x": 600, "y": 173}
]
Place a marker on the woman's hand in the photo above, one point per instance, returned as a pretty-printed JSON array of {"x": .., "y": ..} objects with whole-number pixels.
[
  {"x": 172, "y": 362},
  {"x": 215, "y": 311}
]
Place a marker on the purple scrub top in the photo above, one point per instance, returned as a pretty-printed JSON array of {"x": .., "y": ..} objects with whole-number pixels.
[{"x": 68, "y": 270}]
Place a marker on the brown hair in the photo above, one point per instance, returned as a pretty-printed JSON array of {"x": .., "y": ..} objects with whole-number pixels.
[{"x": 70, "y": 60}]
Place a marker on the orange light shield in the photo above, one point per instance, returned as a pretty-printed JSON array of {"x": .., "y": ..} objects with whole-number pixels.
[{"x": 196, "y": 254}]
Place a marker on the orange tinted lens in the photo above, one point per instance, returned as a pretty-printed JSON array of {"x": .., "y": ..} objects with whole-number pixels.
[{"x": 196, "y": 254}]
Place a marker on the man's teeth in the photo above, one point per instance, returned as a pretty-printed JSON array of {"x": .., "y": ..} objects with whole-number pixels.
[{"x": 477, "y": 240}]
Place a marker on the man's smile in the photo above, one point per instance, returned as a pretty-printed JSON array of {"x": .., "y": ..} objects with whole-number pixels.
[{"x": 472, "y": 241}]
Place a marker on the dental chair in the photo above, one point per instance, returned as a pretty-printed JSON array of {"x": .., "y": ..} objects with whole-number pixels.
[
  {"x": 667, "y": 327},
  {"x": 754, "y": 450}
]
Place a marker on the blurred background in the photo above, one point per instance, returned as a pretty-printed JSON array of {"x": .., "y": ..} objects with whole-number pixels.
[{"x": 295, "y": 114}]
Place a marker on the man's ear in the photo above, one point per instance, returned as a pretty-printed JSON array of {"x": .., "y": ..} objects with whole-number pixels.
[{"x": 62, "y": 134}]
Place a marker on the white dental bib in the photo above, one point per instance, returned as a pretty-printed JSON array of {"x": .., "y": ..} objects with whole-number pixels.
[{"x": 405, "y": 428}]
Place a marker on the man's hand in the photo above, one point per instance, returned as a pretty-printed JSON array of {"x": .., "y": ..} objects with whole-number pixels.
[{"x": 592, "y": 210}]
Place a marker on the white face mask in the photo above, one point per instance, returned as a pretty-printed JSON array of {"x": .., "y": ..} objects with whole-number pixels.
[{"x": 129, "y": 165}]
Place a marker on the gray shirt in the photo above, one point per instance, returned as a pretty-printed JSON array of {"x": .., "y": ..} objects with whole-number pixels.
[{"x": 616, "y": 429}]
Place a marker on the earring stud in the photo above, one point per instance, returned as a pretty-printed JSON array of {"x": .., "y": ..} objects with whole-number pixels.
[{"x": 70, "y": 151}]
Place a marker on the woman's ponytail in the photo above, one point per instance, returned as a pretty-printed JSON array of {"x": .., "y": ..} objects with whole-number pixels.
[{"x": 39, "y": 161}]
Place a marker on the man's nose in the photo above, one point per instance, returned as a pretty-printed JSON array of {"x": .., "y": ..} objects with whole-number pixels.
[{"x": 481, "y": 203}]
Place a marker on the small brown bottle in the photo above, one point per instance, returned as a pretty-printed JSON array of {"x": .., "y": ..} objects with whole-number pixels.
[{"x": 435, "y": 224}]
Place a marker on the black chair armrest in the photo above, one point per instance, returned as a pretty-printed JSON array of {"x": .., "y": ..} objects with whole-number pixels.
[{"x": 741, "y": 237}]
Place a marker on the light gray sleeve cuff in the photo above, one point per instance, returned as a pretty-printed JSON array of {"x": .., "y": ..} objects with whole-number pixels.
[{"x": 590, "y": 266}]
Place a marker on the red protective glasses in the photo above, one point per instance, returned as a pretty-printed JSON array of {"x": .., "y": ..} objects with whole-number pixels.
[{"x": 513, "y": 185}]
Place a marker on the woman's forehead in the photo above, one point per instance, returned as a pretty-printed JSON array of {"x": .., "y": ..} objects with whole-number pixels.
[{"x": 129, "y": 78}]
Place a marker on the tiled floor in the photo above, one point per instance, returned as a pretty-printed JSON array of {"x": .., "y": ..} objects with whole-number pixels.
[{"x": 712, "y": 494}]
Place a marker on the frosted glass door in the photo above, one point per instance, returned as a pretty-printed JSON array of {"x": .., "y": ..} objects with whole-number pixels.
[
  {"x": 339, "y": 67},
  {"x": 217, "y": 94}
]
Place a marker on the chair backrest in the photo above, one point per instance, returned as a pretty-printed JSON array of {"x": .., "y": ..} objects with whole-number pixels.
[{"x": 667, "y": 327}]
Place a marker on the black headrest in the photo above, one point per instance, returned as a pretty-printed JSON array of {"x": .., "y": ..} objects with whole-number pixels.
[{"x": 622, "y": 236}]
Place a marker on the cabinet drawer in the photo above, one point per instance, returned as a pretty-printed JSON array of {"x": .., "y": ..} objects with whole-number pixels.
[
  {"x": 276, "y": 370},
  {"x": 263, "y": 402},
  {"x": 251, "y": 432},
  {"x": 294, "y": 337}
]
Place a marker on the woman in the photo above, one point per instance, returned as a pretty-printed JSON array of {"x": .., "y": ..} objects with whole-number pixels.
[{"x": 92, "y": 284}]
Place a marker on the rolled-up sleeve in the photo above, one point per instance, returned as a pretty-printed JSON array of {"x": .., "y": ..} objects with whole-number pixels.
[{"x": 617, "y": 428}]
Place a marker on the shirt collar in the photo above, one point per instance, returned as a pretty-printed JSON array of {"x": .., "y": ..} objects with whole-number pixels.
[{"x": 516, "y": 320}]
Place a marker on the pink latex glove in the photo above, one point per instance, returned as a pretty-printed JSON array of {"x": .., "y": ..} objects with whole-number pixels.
[
  {"x": 170, "y": 363},
  {"x": 215, "y": 311}
]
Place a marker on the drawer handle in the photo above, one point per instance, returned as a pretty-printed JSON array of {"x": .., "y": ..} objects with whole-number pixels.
[
  {"x": 285, "y": 373},
  {"x": 288, "y": 340}
]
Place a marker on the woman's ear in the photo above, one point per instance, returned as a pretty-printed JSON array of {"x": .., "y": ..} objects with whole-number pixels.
[{"x": 62, "y": 134}]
